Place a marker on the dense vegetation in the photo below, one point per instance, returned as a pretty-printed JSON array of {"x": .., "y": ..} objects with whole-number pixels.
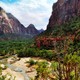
[
  {"x": 69, "y": 28},
  {"x": 13, "y": 36},
  {"x": 12, "y": 46}
]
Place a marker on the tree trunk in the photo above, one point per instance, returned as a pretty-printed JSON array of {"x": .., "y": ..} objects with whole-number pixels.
[
  {"x": 63, "y": 70},
  {"x": 60, "y": 74},
  {"x": 76, "y": 77}
]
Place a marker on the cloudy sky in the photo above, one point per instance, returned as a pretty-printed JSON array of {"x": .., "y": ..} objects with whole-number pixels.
[{"x": 35, "y": 12}]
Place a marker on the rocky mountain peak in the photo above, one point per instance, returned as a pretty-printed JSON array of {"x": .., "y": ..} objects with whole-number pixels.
[
  {"x": 31, "y": 26},
  {"x": 32, "y": 30}
]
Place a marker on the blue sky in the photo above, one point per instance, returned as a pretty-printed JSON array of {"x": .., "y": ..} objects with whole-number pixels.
[
  {"x": 35, "y": 12},
  {"x": 9, "y": 1}
]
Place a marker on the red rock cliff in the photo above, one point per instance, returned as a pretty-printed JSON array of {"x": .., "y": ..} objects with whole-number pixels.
[{"x": 63, "y": 11}]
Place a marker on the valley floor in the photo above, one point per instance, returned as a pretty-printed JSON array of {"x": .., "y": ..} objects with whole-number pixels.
[{"x": 19, "y": 69}]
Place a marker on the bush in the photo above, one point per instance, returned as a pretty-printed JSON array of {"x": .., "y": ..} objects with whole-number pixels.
[
  {"x": 31, "y": 62},
  {"x": 46, "y": 54}
]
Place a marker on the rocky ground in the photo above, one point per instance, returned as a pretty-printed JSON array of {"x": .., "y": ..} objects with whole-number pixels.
[
  {"x": 20, "y": 69},
  {"x": 15, "y": 68}
]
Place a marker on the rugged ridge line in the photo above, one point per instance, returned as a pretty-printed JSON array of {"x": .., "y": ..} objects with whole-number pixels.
[{"x": 11, "y": 25}]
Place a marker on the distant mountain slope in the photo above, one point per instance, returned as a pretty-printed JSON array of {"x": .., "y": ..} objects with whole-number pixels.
[
  {"x": 11, "y": 25},
  {"x": 17, "y": 27},
  {"x": 41, "y": 30},
  {"x": 32, "y": 30}
]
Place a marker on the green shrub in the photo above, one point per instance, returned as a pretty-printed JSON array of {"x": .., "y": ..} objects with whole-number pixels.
[{"x": 31, "y": 62}]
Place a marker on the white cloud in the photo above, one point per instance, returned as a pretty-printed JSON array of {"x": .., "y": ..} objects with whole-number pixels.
[{"x": 36, "y": 12}]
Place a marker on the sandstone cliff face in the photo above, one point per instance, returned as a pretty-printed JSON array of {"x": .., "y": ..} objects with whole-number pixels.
[
  {"x": 5, "y": 26},
  {"x": 63, "y": 11}
]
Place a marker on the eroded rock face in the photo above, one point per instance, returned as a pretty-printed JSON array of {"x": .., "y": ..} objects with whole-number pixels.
[
  {"x": 5, "y": 26},
  {"x": 63, "y": 11}
]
